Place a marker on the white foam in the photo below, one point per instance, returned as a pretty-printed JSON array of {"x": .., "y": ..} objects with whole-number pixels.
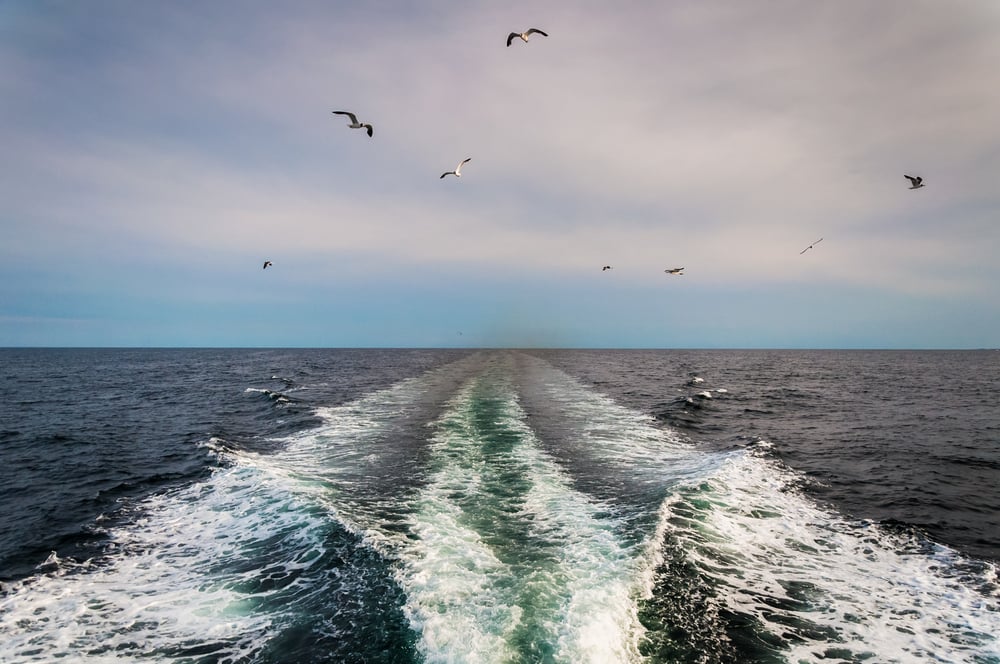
[
  {"x": 176, "y": 577},
  {"x": 851, "y": 586},
  {"x": 466, "y": 603},
  {"x": 866, "y": 585},
  {"x": 620, "y": 438},
  {"x": 173, "y": 578},
  {"x": 166, "y": 583},
  {"x": 278, "y": 397}
]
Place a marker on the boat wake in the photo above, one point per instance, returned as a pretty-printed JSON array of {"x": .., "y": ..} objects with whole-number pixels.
[{"x": 497, "y": 510}]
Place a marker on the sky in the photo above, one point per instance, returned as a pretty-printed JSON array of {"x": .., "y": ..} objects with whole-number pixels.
[{"x": 155, "y": 154}]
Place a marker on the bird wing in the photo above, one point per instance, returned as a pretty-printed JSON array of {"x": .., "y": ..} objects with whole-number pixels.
[
  {"x": 369, "y": 128},
  {"x": 511, "y": 37},
  {"x": 810, "y": 246},
  {"x": 444, "y": 174},
  {"x": 533, "y": 30},
  {"x": 354, "y": 118},
  {"x": 912, "y": 179},
  {"x": 458, "y": 169}
]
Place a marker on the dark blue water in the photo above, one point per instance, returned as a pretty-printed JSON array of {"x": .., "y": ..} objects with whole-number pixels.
[
  {"x": 82, "y": 429},
  {"x": 906, "y": 437},
  {"x": 563, "y": 506}
]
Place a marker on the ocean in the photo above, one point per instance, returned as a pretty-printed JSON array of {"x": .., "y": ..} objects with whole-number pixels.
[{"x": 711, "y": 506}]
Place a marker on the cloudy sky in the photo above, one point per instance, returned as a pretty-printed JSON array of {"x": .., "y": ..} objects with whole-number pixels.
[{"x": 154, "y": 154}]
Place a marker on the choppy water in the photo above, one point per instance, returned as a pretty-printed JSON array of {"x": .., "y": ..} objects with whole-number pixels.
[{"x": 499, "y": 506}]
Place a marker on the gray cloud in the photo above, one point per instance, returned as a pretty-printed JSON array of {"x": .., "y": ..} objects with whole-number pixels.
[{"x": 723, "y": 135}]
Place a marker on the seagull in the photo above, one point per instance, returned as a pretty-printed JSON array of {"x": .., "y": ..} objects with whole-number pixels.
[
  {"x": 524, "y": 35},
  {"x": 675, "y": 270},
  {"x": 915, "y": 182},
  {"x": 267, "y": 264},
  {"x": 458, "y": 169},
  {"x": 354, "y": 121},
  {"x": 810, "y": 246},
  {"x": 606, "y": 267}
]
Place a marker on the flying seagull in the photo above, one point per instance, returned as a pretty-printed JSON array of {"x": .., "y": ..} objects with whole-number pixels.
[
  {"x": 915, "y": 182},
  {"x": 354, "y": 121},
  {"x": 458, "y": 169},
  {"x": 810, "y": 246},
  {"x": 675, "y": 270},
  {"x": 524, "y": 35},
  {"x": 267, "y": 264},
  {"x": 606, "y": 267}
]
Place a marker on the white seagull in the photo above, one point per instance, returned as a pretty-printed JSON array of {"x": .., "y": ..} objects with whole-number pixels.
[
  {"x": 524, "y": 35},
  {"x": 915, "y": 182},
  {"x": 354, "y": 121},
  {"x": 267, "y": 264},
  {"x": 675, "y": 270},
  {"x": 458, "y": 169},
  {"x": 810, "y": 246}
]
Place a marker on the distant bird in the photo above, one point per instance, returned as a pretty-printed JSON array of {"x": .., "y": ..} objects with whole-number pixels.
[
  {"x": 810, "y": 246},
  {"x": 675, "y": 270},
  {"x": 524, "y": 35},
  {"x": 915, "y": 182},
  {"x": 354, "y": 121},
  {"x": 267, "y": 264},
  {"x": 458, "y": 169},
  {"x": 606, "y": 267}
]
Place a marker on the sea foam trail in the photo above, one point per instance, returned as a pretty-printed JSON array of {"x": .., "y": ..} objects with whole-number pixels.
[
  {"x": 500, "y": 557},
  {"x": 221, "y": 568},
  {"x": 168, "y": 587},
  {"x": 366, "y": 460},
  {"x": 810, "y": 583},
  {"x": 510, "y": 563},
  {"x": 612, "y": 452},
  {"x": 816, "y": 586},
  {"x": 497, "y": 510}
]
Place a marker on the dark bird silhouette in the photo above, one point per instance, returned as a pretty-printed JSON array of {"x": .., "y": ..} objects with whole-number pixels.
[
  {"x": 606, "y": 267},
  {"x": 810, "y": 246},
  {"x": 524, "y": 35},
  {"x": 915, "y": 182},
  {"x": 458, "y": 169},
  {"x": 267, "y": 264},
  {"x": 675, "y": 270},
  {"x": 354, "y": 121}
]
